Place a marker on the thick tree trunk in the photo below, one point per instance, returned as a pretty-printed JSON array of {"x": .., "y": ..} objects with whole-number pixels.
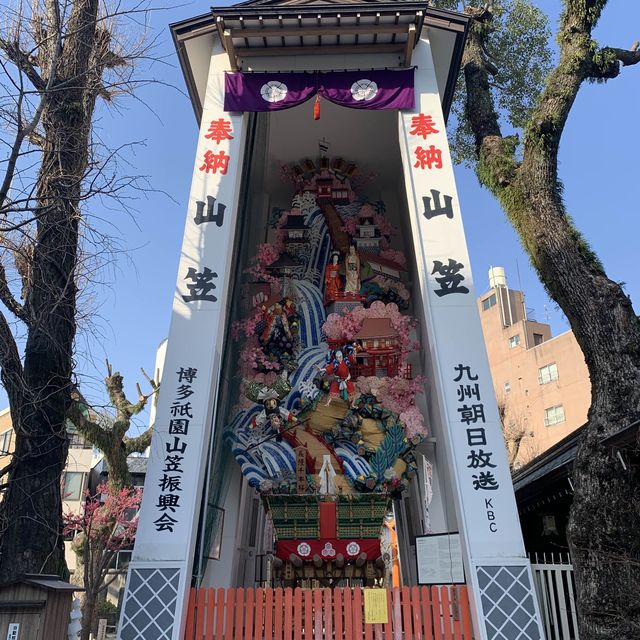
[
  {"x": 605, "y": 518},
  {"x": 31, "y": 512},
  {"x": 89, "y": 615},
  {"x": 119, "y": 476}
]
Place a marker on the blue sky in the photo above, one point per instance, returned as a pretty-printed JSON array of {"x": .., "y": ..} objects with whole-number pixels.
[{"x": 597, "y": 165}]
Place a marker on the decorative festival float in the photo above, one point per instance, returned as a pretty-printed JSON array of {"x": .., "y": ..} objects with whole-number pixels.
[
  {"x": 327, "y": 425},
  {"x": 326, "y": 415}
]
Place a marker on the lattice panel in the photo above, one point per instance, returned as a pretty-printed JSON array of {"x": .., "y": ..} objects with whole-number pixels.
[
  {"x": 508, "y": 603},
  {"x": 150, "y": 608}
]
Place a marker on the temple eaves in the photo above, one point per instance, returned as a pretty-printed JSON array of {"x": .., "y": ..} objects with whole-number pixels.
[{"x": 261, "y": 29}]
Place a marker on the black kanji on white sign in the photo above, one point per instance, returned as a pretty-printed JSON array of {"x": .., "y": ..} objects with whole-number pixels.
[
  {"x": 444, "y": 208},
  {"x": 450, "y": 277},
  {"x": 201, "y": 285},
  {"x": 210, "y": 216}
]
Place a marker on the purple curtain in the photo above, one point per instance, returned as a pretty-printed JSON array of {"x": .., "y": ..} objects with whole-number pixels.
[{"x": 386, "y": 89}]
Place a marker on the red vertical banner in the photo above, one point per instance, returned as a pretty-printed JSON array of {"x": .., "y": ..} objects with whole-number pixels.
[{"x": 328, "y": 520}]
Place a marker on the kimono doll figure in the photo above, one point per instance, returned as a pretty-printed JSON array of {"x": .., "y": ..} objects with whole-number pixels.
[
  {"x": 341, "y": 385},
  {"x": 352, "y": 268},
  {"x": 332, "y": 280}
]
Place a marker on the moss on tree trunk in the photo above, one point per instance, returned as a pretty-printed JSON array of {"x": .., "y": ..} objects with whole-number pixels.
[{"x": 605, "y": 518}]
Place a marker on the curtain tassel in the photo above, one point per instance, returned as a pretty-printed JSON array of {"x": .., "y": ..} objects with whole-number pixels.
[{"x": 316, "y": 107}]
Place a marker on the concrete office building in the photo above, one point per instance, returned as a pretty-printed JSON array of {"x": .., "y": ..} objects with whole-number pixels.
[{"x": 541, "y": 381}]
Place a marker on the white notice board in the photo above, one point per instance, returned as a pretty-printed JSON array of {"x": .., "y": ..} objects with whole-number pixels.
[
  {"x": 439, "y": 559},
  {"x": 13, "y": 631}
]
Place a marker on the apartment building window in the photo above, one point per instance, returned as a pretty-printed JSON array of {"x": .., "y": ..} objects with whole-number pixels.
[
  {"x": 553, "y": 415},
  {"x": 507, "y": 387},
  {"x": 73, "y": 485},
  {"x": 538, "y": 338},
  {"x": 5, "y": 442},
  {"x": 76, "y": 441},
  {"x": 548, "y": 373},
  {"x": 489, "y": 302},
  {"x": 514, "y": 341}
]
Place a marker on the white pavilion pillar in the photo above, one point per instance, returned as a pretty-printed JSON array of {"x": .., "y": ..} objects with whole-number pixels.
[
  {"x": 497, "y": 570},
  {"x": 159, "y": 576}
]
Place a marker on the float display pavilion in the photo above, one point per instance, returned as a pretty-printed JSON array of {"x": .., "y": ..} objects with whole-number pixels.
[{"x": 327, "y": 418}]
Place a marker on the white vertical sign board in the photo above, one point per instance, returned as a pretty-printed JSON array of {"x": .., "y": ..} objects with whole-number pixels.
[
  {"x": 13, "y": 631},
  {"x": 102, "y": 629},
  {"x": 497, "y": 568},
  {"x": 160, "y": 572}
]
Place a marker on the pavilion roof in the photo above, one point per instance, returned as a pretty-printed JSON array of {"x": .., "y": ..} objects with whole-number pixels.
[
  {"x": 257, "y": 30},
  {"x": 367, "y": 256},
  {"x": 294, "y": 221},
  {"x": 376, "y": 328},
  {"x": 287, "y": 3}
]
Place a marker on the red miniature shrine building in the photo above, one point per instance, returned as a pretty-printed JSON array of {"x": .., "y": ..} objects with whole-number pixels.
[
  {"x": 380, "y": 355},
  {"x": 323, "y": 186}
]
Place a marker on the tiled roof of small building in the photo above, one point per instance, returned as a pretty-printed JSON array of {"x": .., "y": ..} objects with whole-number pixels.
[{"x": 376, "y": 328}]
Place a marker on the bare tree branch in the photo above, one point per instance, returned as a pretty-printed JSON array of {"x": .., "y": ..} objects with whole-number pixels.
[
  {"x": 22, "y": 61},
  {"x": 11, "y": 372},
  {"x": 110, "y": 434},
  {"x": 7, "y": 297},
  {"x": 140, "y": 443}
]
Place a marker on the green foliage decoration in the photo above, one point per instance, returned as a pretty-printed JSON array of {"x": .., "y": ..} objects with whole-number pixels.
[{"x": 388, "y": 452}]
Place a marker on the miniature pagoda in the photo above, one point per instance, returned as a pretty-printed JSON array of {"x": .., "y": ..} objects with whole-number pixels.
[
  {"x": 291, "y": 262},
  {"x": 368, "y": 238}
]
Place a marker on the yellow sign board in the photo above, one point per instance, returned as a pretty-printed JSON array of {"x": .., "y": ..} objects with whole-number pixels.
[{"x": 376, "y": 610}]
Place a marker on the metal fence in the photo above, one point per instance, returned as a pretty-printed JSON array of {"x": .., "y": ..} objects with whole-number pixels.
[{"x": 555, "y": 587}]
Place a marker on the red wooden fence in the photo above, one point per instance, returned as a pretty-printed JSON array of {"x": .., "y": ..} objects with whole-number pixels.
[{"x": 416, "y": 613}]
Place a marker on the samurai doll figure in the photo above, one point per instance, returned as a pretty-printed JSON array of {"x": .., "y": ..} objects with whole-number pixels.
[
  {"x": 341, "y": 385},
  {"x": 278, "y": 332},
  {"x": 272, "y": 414}
]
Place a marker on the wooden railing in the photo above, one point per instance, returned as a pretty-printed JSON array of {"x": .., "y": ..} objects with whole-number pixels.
[{"x": 416, "y": 613}]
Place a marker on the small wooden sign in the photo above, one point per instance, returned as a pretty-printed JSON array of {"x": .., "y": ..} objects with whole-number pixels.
[
  {"x": 102, "y": 629},
  {"x": 376, "y": 608},
  {"x": 13, "y": 631}
]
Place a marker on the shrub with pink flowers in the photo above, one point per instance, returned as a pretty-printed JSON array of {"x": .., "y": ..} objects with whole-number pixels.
[
  {"x": 395, "y": 256},
  {"x": 386, "y": 229},
  {"x": 104, "y": 527},
  {"x": 266, "y": 254},
  {"x": 414, "y": 425},
  {"x": 350, "y": 226},
  {"x": 253, "y": 359},
  {"x": 247, "y": 327},
  {"x": 398, "y": 395}
]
